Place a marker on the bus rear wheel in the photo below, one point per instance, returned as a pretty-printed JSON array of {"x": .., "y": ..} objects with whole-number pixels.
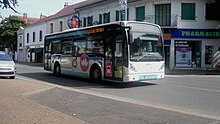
[
  {"x": 95, "y": 75},
  {"x": 57, "y": 70}
]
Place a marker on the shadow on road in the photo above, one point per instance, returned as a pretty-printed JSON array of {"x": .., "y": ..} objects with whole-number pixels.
[{"x": 71, "y": 81}]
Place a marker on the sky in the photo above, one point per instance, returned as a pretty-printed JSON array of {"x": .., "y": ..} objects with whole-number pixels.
[{"x": 34, "y": 8}]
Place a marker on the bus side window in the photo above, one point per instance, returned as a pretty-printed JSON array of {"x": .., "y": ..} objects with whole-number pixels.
[
  {"x": 56, "y": 47},
  {"x": 67, "y": 47},
  {"x": 95, "y": 44},
  {"x": 75, "y": 49},
  {"x": 80, "y": 45}
]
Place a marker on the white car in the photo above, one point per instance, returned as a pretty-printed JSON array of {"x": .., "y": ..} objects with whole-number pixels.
[{"x": 7, "y": 66}]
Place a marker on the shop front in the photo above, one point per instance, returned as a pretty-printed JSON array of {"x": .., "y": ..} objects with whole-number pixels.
[
  {"x": 187, "y": 54},
  {"x": 194, "y": 48},
  {"x": 36, "y": 55}
]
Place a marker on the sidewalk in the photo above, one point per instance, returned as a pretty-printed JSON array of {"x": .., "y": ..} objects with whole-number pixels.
[{"x": 16, "y": 109}]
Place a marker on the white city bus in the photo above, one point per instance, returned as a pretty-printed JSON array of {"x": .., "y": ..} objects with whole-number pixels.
[{"x": 124, "y": 51}]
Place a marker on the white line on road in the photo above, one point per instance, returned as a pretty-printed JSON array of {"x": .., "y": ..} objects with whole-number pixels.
[{"x": 200, "y": 76}]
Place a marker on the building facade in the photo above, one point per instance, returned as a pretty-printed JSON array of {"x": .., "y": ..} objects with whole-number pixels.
[
  {"x": 34, "y": 41},
  {"x": 190, "y": 27},
  {"x": 20, "y": 45},
  {"x": 20, "y": 54}
]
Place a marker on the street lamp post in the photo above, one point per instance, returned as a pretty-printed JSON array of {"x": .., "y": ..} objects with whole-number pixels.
[{"x": 124, "y": 6}]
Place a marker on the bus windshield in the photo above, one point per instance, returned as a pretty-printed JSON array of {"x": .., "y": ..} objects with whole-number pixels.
[{"x": 146, "y": 47}]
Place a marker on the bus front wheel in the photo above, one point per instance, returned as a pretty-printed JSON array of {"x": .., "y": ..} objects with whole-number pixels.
[
  {"x": 56, "y": 70},
  {"x": 95, "y": 75}
]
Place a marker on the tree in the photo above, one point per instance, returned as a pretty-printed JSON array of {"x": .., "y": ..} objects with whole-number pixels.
[
  {"x": 8, "y": 32},
  {"x": 11, "y": 4}
]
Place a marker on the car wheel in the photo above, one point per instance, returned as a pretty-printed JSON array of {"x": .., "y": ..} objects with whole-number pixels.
[{"x": 12, "y": 77}]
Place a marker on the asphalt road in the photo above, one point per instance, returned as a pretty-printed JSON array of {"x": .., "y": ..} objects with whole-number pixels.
[{"x": 175, "y": 99}]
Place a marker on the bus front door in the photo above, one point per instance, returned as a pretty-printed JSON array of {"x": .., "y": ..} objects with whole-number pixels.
[{"x": 113, "y": 56}]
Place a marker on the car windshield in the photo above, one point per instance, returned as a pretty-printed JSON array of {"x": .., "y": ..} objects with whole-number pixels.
[
  {"x": 146, "y": 47},
  {"x": 5, "y": 57}
]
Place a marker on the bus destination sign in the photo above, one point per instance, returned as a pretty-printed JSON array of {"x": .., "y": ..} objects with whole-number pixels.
[{"x": 95, "y": 30}]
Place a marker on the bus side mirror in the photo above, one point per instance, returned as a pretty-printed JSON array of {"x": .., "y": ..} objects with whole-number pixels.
[
  {"x": 128, "y": 34},
  {"x": 130, "y": 37}
]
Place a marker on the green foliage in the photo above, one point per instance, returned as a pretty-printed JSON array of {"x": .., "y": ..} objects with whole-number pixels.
[
  {"x": 8, "y": 32},
  {"x": 11, "y": 4}
]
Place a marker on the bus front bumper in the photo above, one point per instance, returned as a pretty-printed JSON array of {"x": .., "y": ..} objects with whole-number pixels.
[{"x": 142, "y": 77}]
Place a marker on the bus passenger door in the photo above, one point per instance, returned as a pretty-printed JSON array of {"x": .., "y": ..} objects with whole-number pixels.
[
  {"x": 108, "y": 59},
  {"x": 113, "y": 56}
]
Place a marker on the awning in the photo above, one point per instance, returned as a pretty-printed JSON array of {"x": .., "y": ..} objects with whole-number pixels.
[{"x": 36, "y": 50}]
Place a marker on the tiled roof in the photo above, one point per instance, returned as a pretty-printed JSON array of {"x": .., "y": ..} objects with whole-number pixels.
[
  {"x": 71, "y": 9},
  {"x": 89, "y": 3},
  {"x": 67, "y": 10},
  {"x": 29, "y": 20},
  {"x": 40, "y": 21}
]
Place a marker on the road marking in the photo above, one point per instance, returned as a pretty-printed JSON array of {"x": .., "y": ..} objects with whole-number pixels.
[
  {"x": 202, "y": 76},
  {"x": 195, "y": 88},
  {"x": 26, "y": 94},
  {"x": 129, "y": 100}
]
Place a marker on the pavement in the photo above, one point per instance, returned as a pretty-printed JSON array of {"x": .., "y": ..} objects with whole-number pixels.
[{"x": 16, "y": 109}]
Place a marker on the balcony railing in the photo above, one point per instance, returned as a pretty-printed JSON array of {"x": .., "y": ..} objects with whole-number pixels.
[{"x": 163, "y": 20}]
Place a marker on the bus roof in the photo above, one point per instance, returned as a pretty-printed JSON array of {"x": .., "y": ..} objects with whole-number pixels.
[{"x": 122, "y": 23}]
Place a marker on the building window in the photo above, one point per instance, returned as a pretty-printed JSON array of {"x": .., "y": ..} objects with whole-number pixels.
[
  {"x": 211, "y": 9},
  {"x": 84, "y": 22},
  {"x": 100, "y": 18},
  {"x": 51, "y": 27},
  {"x": 106, "y": 17},
  {"x": 120, "y": 15},
  {"x": 140, "y": 13},
  {"x": 33, "y": 36},
  {"x": 163, "y": 14},
  {"x": 27, "y": 37},
  {"x": 61, "y": 25},
  {"x": 20, "y": 40},
  {"x": 40, "y": 35},
  {"x": 117, "y": 18},
  {"x": 188, "y": 11},
  {"x": 89, "y": 21}
]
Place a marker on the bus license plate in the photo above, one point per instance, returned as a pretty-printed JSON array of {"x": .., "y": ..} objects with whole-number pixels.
[{"x": 145, "y": 77}]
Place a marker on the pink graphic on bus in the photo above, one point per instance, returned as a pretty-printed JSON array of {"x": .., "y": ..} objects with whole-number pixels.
[
  {"x": 84, "y": 62},
  {"x": 108, "y": 69}
]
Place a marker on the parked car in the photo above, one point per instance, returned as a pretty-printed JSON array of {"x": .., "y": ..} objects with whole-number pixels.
[{"x": 7, "y": 66}]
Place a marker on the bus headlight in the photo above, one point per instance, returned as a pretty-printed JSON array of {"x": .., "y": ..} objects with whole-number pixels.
[
  {"x": 162, "y": 66},
  {"x": 132, "y": 67}
]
